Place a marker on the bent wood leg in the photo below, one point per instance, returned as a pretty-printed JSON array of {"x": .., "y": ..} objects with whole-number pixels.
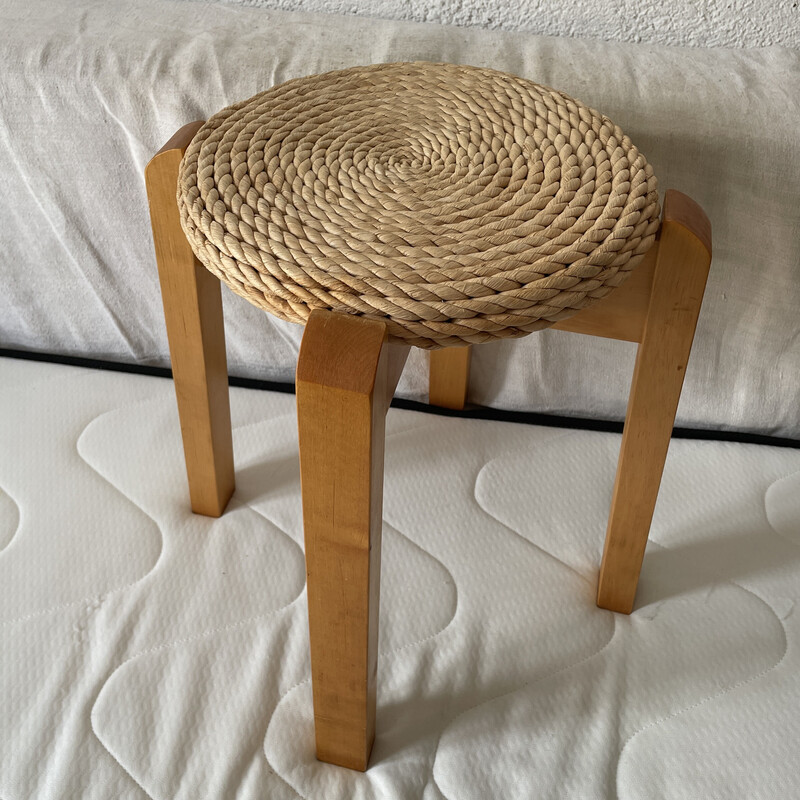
[
  {"x": 679, "y": 279},
  {"x": 193, "y": 313},
  {"x": 449, "y": 377},
  {"x": 346, "y": 376}
]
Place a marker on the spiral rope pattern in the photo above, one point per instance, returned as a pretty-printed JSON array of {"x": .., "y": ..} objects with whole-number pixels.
[{"x": 454, "y": 203}]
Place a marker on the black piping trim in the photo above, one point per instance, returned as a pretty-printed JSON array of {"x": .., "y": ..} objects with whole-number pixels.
[{"x": 470, "y": 412}]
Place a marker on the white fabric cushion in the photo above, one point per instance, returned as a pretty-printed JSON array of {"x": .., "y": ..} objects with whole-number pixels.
[
  {"x": 91, "y": 90},
  {"x": 149, "y": 653}
]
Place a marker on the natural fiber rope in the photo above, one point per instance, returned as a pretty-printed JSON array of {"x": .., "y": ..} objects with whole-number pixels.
[{"x": 454, "y": 203}]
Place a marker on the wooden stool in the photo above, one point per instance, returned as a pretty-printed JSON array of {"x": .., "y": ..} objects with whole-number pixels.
[{"x": 351, "y": 360}]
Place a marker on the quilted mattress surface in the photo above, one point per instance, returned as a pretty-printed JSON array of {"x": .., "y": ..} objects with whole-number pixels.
[{"x": 146, "y": 652}]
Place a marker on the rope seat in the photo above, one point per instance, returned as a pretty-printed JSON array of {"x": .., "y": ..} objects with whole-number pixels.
[{"x": 456, "y": 204}]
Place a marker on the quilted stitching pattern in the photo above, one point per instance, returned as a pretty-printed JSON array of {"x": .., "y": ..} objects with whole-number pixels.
[{"x": 145, "y": 652}]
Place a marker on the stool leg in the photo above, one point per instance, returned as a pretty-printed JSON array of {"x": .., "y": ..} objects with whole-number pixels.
[
  {"x": 449, "y": 377},
  {"x": 345, "y": 382},
  {"x": 193, "y": 314},
  {"x": 681, "y": 270}
]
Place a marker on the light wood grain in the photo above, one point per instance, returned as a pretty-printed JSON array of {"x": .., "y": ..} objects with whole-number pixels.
[
  {"x": 449, "y": 377},
  {"x": 346, "y": 375},
  {"x": 622, "y": 313},
  {"x": 679, "y": 280},
  {"x": 193, "y": 314}
]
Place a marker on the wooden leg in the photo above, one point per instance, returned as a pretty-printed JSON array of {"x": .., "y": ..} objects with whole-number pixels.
[
  {"x": 346, "y": 376},
  {"x": 193, "y": 313},
  {"x": 449, "y": 377},
  {"x": 681, "y": 269}
]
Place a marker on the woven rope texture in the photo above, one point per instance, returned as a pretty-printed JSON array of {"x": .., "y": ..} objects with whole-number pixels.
[{"x": 454, "y": 203}]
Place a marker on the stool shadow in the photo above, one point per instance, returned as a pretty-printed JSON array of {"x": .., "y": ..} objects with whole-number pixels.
[
  {"x": 273, "y": 476},
  {"x": 727, "y": 557}
]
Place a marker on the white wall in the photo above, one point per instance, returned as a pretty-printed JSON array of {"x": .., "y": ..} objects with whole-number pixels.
[{"x": 701, "y": 23}]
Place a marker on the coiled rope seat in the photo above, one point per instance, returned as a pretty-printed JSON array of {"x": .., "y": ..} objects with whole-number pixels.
[{"x": 456, "y": 204}]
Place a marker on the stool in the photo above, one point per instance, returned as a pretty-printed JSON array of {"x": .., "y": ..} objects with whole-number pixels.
[{"x": 426, "y": 205}]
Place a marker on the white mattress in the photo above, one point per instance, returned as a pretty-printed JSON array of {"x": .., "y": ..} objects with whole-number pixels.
[
  {"x": 91, "y": 90},
  {"x": 146, "y": 652}
]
